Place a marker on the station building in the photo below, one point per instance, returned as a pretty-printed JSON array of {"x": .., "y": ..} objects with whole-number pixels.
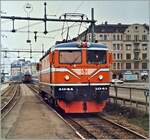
[{"x": 21, "y": 66}]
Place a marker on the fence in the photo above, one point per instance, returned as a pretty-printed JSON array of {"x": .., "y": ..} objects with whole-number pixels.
[{"x": 132, "y": 95}]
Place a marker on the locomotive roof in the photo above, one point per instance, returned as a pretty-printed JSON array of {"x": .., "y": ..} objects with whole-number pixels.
[{"x": 76, "y": 46}]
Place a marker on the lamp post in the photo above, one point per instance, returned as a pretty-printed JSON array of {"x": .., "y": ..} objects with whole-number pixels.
[{"x": 28, "y": 9}]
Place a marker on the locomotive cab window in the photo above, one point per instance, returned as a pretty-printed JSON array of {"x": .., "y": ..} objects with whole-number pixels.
[
  {"x": 96, "y": 57},
  {"x": 70, "y": 57}
]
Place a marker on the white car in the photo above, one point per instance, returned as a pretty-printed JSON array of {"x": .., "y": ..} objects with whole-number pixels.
[{"x": 117, "y": 81}]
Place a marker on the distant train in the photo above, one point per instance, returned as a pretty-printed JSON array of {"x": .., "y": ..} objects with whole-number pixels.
[
  {"x": 27, "y": 78},
  {"x": 76, "y": 76}
]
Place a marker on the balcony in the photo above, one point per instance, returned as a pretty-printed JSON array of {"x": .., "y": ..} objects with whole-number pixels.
[
  {"x": 136, "y": 41},
  {"x": 136, "y": 50},
  {"x": 137, "y": 59}
]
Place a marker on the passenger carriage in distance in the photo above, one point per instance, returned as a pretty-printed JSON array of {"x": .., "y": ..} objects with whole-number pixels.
[
  {"x": 76, "y": 76},
  {"x": 27, "y": 78}
]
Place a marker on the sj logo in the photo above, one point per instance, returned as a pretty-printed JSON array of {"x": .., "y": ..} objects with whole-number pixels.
[{"x": 84, "y": 71}]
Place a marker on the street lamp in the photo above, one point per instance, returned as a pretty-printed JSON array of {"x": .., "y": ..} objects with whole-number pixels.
[{"x": 28, "y": 9}]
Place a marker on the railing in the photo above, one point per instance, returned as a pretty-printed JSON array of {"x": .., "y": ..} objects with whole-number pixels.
[
  {"x": 136, "y": 49},
  {"x": 137, "y": 59},
  {"x": 132, "y": 95}
]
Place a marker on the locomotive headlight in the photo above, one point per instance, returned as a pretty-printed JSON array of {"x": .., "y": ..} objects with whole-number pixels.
[
  {"x": 100, "y": 77},
  {"x": 67, "y": 77}
]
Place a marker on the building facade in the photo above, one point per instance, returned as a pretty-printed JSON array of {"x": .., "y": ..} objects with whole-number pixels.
[
  {"x": 21, "y": 67},
  {"x": 128, "y": 44}
]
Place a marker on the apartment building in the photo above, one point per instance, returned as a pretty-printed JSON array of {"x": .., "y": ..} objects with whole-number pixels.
[{"x": 128, "y": 44}]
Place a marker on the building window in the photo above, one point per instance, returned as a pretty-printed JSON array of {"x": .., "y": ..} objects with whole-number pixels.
[
  {"x": 128, "y": 56},
  {"x": 128, "y": 37},
  {"x": 118, "y": 56},
  {"x": 128, "y": 46},
  {"x": 114, "y": 37},
  {"x": 114, "y": 66},
  {"x": 118, "y": 37},
  {"x": 136, "y": 65},
  {"x": 144, "y": 46},
  {"x": 144, "y": 37},
  {"x": 136, "y": 47},
  {"x": 121, "y": 55},
  {"x": 114, "y": 56},
  {"x": 144, "y": 56},
  {"x": 136, "y": 27},
  {"x": 121, "y": 37},
  {"x": 136, "y": 37},
  {"x": 118, "y": 46},
  {"x": 136, "y": 56},
  {"x": 118, "y": 65},
  {"x": 114, "y": 46},
  {"x": 144, "y": 65},
  {"x": 105, "y": 37},
  {"x": 101, "y": 37},
  {"x": 128, "y": 65}
]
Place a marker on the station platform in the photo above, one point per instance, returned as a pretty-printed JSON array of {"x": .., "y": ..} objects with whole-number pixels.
[{"x": 31, "y": 119}]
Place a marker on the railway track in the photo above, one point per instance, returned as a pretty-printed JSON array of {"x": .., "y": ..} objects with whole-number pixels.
[
  {"x": 9, "y": 99},
  {"x": 3, "y": 92},
  {"x": 103, "y": 128},
  {"x": 93, "y": 126}
]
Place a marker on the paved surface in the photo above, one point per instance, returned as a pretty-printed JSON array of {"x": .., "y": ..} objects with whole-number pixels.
[
  {"x": 32, "y": 119},
  {"x": 3, "y": 86}
]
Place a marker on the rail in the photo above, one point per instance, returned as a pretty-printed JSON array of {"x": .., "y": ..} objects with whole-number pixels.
[
  {"x": 93, "y": 126},
  {"x": 6, "y": 90},
  {"x": 11, "y": 102},
  {"x": 84, "y": 130},
  {"x": 123, "y": 127}
]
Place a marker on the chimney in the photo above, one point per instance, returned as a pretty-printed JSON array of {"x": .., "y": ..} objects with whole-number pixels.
[{"x": 105, "y": 22}]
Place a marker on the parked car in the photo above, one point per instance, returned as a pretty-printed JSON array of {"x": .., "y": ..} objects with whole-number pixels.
[{"x": 117, "y": 81}]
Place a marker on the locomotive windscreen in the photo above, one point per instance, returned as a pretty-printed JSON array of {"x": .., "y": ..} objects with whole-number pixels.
[
  {"x": 96, "y": 57},
  {"x": 70, "y": 57}
]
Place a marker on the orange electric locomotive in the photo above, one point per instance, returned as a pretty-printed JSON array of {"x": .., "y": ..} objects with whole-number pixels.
[{"x": 76, "y": 76}]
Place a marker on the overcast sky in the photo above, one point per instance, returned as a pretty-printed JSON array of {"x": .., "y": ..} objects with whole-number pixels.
[{"x": 125, "y": 12}]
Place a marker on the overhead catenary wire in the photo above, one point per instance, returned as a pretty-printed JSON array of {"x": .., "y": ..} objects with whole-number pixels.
[
  {"x": 79, "y": 6},
  {"x": 6, "y": 20},
  {"x": 31, "y": 25},
  {"x": 50, "y": 31}
]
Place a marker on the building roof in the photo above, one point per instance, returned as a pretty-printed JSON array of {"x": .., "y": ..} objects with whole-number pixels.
[
  {"x": 109, "y": 28},
  {"x": 146, "y": 26}
]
